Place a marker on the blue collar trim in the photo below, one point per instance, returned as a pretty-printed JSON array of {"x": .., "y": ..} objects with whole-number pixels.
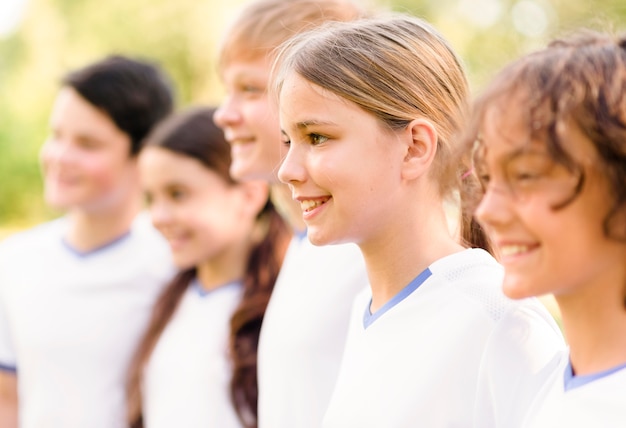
[
  {"x": 571, "y": 381},
  {"x": 369, "y": 318}
]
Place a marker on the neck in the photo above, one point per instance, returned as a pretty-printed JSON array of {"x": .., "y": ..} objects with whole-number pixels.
[
  {"x": 404, "y": 249},
  {"x": 594, "y": 322},
  {"x": 287, "y": 207},
  {"x": 90, "y": 230}
]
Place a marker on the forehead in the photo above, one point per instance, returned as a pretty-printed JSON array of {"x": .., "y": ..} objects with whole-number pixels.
[
  {"x": 73, "y": 114},
  {"x": 302, "y": 102},
  {"x": 241, "y": 68},
  {"x": 508, "y": 128},
  {"x": 169, "y": 167},
  {"x": 70, "y": 106}
]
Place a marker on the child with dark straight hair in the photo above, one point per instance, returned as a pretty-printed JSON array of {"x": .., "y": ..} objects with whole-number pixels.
[
  {"x": 196, "y": 365},
  {"x": 76, "y": 292}
]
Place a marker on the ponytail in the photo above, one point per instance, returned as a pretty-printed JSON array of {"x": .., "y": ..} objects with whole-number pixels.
[
  {"x": 163, "y": 310},
  {"x": 472, "y": 233},
  {"x": 262, "y": 270}
]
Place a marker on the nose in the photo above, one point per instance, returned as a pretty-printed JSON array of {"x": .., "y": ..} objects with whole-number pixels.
[
  {"x": 55, "y": 150},
  {"x": 292, "y": 169},
  {"x": 160, "y": 214},
  {"x": 227, "y": 113},
  {"x": 494, "y": 208}
]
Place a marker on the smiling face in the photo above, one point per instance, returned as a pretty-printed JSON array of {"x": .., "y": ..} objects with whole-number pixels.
[
  {"x": 342, "y": 164},
  {"x": 249, "y": 120},
  {"x": 86, "y": 160},
  {"x": 549, "y": 240},
  {"x": 201, "y": 215}
]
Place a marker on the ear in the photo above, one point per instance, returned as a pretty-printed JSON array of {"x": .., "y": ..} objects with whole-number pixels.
[
  {"x": 421, "y": 147},
  {"x": 255, "y": 195}
]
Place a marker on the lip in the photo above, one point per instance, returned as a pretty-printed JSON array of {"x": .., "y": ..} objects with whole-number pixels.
[
  {"x": 511, "y": 251},
  {"x": 312, "y": 205},
  {"x": 61, "y": 181},
  {"x": 238, "y": 147},
  {"x": 176, "y": 243},
  {"x": 175, "y": 240},
  {"x": 234, "y": 138}
]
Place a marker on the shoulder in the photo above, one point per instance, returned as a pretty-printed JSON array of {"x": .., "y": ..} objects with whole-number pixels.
[
  {"x": 332, "y": 264},
  {"x": 333, "y": 254},
  {"x": 527, "y": 331},
  {"x": 476, "y": 277},
  {"x": 144, "y": 235},
  {"x": 30, "y": 241},
  {"x": 467, "y": 265}
]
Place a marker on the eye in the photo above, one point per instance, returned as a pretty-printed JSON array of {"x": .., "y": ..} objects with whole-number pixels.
[
  {"x": 482, "y": 174},
  {"x": 317, "y": 139},
  {"x": 284, "y": 139},
  {"x": 251, "y": 90},
  {"x": 177, "y": 194},
  {"x": 528, "y": 169},
  {"x": 148, "y": 198}
]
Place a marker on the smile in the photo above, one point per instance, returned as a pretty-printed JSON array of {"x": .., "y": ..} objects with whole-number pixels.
[
  {"x": 513, "y": 250},
  {"x": 308, "y": 205}
]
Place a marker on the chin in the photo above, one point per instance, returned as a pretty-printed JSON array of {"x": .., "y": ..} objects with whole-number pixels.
[
  {"x": 59, "y": 203},
  {"x": 515, "y": 289},
  {"x": 318, "y": 238},
  {"x": 182, "y": 262}
]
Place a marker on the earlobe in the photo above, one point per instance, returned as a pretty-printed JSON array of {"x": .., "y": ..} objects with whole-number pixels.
[{"x": 421, "y": 148}]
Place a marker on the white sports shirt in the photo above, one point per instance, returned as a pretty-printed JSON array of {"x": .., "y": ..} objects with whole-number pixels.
[
  {"x": 418, "y": 360},
  {"x": 70, "y": 322},
  {"x": 597, "y": 400},
  {"x": 304, "y": 332},
  {"x": 187, "y": 378}
]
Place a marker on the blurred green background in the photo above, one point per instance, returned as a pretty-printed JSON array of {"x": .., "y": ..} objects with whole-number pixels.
[{"x": 42, "y": 39}]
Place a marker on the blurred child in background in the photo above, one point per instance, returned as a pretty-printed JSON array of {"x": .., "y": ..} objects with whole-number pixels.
[
  {"x": 196, "y": 365},
  {"x": 305, "y": 326},
  {"x": 76, "y": 292}
]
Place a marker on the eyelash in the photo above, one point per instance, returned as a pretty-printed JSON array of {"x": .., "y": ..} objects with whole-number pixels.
[{"x": 314, "y": 139}]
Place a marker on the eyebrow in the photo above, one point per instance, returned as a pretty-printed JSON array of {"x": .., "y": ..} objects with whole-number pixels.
[{"x": 313, "y": 122}]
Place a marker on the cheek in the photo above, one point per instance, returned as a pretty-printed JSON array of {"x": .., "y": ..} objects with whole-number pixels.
[
  {"x": 107, "y": 172},
  {"x": 46, "y": 156}
]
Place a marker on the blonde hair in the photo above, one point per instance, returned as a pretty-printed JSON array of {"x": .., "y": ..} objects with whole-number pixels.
[
  {"x": 396, "y": 67},
  {"x": 264, "y": 25}
]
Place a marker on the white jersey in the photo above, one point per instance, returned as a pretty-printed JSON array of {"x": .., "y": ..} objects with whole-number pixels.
[
  {"x": 597, "y": 400},
  {"x": 187, "y": 378},
  {"x": 70, "y": 322},
  {"x": 304, "y": 332},
  {"x": 418, "y": 360}
]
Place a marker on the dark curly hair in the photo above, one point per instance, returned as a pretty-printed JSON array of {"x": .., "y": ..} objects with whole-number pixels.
[{"x": 582, "y": 80}]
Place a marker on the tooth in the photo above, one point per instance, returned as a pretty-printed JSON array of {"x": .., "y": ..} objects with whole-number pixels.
[{"x": 513, "y": 249}]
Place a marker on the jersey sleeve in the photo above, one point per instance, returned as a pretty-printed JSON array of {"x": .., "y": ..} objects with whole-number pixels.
[
  {"x": 521, "y": 354},
  {"x": 7, "y": 354}
]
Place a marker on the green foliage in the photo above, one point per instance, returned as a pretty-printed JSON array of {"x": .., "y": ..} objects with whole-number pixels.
[
  {"x": 182, "y": 35},
  {"x": 59, "y": 35}
]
